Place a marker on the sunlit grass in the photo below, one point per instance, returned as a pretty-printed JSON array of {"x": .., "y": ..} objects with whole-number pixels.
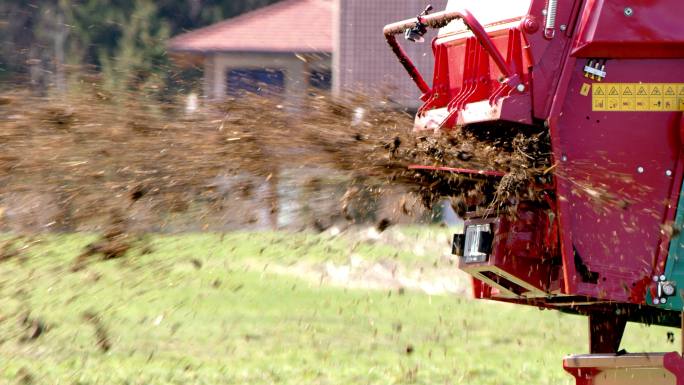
[{"x": 193, "y": 311}]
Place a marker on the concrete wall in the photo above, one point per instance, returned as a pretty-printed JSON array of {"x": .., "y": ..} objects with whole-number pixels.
[
  {"x": 362, "y": 58},
  {"x": 295, "y": 67}
]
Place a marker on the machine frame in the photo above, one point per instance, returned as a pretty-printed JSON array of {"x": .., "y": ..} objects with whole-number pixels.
[{"x": 604, "y": 79}]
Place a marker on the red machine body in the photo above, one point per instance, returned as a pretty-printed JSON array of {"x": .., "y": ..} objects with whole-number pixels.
[{"x": 606, "y": 78}]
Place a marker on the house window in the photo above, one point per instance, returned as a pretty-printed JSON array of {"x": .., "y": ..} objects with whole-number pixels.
[
  {"x": 262, "y": 81},
  {"x": 320, "y": 79}
]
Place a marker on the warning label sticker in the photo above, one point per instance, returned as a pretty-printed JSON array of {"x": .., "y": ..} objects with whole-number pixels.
[{"x": 637, "y": 97}]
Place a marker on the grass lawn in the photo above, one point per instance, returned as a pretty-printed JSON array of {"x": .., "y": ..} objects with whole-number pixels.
[{"x": 195, "y": 311}]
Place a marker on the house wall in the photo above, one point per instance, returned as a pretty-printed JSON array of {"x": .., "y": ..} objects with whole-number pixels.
[
  {"x": 363, "y": 60},
  {"x": 296, "y": 70}
]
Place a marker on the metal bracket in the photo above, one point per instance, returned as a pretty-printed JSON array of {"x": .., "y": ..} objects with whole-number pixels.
[
  {"x": 665, "y": 289},
  {"x": 595, "y": 69}
]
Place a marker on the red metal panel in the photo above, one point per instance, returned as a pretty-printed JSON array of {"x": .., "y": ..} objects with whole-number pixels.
[
  {"x": 454, "y": 48},
  {"x": 631, "y": 29},
  {"x": 618, "y": 172},
  {"x": 520, "y": 260},
  {"x": 465, "y": 73},
  {"x": 612, "y": 211},
  {"x": 547, "y": 55}
]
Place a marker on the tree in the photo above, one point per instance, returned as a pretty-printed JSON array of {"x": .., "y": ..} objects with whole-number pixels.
[
  {"x": 122, "y": 39},
  {"x": 139, "y": 53}
]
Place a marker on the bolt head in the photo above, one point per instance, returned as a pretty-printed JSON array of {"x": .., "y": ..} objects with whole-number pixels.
[
  {"x": 663, "y": 278},
  {"x": 668, "y": 289},
  {"x": 668, "y": 172},
  {"x": 640, "y": 170},
  {"x": 564, "y": 158},
  {"x": 656, "y": 301},
  {"x": 531, "y": 25},
  {"x": 520, "y": 88},
  {"x": 663, "y": 300},
  {"x": 563, "y": 27},
  {"x": 629, "y": 12}
]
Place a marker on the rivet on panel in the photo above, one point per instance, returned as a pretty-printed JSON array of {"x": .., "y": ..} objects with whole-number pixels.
[
  {"x": 640, "y": 170},
  {"x": 668, "y": 172}
]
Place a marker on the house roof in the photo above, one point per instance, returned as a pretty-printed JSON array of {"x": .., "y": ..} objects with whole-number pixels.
[{"x": 287, "y": 26}]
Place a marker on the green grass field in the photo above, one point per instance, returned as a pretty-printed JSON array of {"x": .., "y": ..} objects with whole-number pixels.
[{"x": 196, "y": 311}]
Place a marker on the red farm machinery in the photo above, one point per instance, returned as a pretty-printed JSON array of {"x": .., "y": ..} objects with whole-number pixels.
[{"x": 605, "y": 79}]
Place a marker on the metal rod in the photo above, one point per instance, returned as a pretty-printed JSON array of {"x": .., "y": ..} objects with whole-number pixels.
[
  {"x": 458, "y": 170},
  {"x": 438, "y": 20},
  {"x": 407, "y": 63}
]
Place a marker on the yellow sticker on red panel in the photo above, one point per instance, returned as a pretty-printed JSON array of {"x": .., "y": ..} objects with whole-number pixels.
[
  {"x": 584, "y": 91},
  {"x": 636, "y": 96}
]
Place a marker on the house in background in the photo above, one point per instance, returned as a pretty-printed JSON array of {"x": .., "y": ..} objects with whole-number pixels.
[
  {"x": 283, "y": 48},
  {"x": 295, "y": 44}
]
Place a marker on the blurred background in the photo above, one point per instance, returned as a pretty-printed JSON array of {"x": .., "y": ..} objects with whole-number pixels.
[
  {"x": 162, "y": 61},
  {"x": 213, "y": 48}
]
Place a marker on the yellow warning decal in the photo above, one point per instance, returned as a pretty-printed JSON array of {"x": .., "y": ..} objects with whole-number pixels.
[
  {"x": 584, "y": 91},
  {"x": 637, "y": 96}
]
